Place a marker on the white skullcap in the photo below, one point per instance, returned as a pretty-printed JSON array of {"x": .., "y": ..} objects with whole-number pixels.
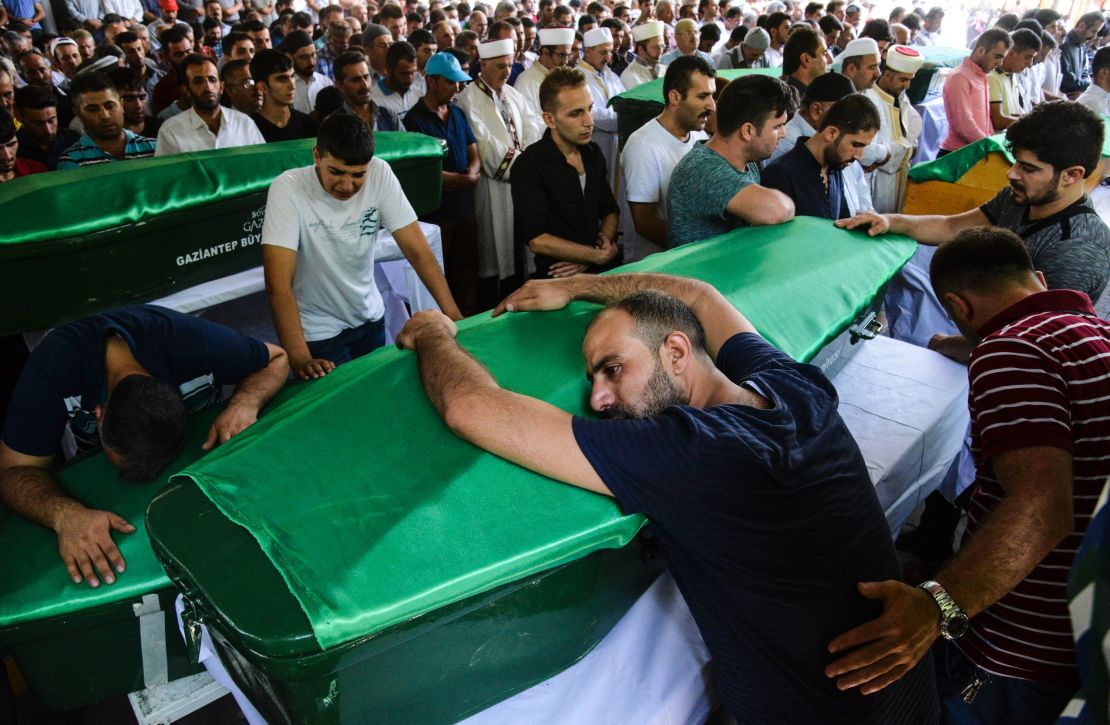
[
  {"x": 903, "y": 59},
  {"x": 557, "y": 36},
  {"x": 496, "y": 49},
  {"x": 861, "y": 46},
  {"x": 597, "y": 36},
  {"x": 647, "y": 31}
]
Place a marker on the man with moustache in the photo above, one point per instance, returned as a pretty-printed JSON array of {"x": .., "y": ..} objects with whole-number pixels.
[
  {"x": 653, "y": 150},
  {"x": 307, "y": 80},
  {"x": 98, "y": 106},
  {"x": 397, "y": 90},
  {"x": 353, "y": 79},
  {"x": 810, "y": 174},
  {"x": 40, "y": 137},
  {"x": 649, "y": 47},
  {"x": 554, "y": 53},
  {"x": 67, "y": 58},
  {"x": 564, "y": 211},
  {"x": 206, "y": 125}
]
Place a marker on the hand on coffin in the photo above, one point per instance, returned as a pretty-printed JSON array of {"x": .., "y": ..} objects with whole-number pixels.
[
  {"x": 86, "y": 546},
  {"x": 871, "y": 222},
  {"x": 313, "y": 368},
  {"x": 234, "y": 419},
  {"x": 537, "y": 295},
  {"x": 428, "y": 322}
]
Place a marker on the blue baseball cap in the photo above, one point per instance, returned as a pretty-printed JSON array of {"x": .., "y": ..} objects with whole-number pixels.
[{"x": 447, "y": 66}]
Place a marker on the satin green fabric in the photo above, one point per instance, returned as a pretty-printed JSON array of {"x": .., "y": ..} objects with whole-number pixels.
[
  {"x": 652, "y": 91},
  {"x": 92, "y": 199},
  {"x": 951, "y": 167},
  {"x": 373, "y": 512},
  {"x": 35, "y": 585}
]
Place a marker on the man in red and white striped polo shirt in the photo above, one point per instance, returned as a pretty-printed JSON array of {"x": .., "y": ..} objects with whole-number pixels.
[{"x": 1039, "y": 396}]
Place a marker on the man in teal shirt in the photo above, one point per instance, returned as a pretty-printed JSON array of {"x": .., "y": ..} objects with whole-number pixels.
[{"x": 97, "y": 103}]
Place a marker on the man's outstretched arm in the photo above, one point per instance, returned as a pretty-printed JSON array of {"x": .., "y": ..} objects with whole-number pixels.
[
  {"x": 717, "y": 315},
  {"x": 526, "y": 431}
]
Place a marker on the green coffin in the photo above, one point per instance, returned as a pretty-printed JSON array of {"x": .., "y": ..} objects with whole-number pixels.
[
  {"x": 82, "y": 241},
  {"x": 76, "y": 645},
  {"x": 370, "y": 566},
  {"x": 644, "y": 102}
]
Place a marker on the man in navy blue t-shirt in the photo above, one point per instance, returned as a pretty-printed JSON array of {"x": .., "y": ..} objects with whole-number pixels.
[
  {"x": 736, "y": 454},
  {"x": 123, "y": 379}
]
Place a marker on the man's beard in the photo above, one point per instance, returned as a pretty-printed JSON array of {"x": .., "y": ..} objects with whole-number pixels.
[
  {"x": 1051, "y": 194},
  {"x": 659, "y": 394}
]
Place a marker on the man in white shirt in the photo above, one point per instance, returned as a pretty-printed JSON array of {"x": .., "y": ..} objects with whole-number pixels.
[
  {"x": 396, "y": 91},
  {"x": 652, "y": 152},
  {"x": 128, "y": 9},
  {"x": 649, "y": 46},
  {"x": 900, "y": 127},
  {"x": 503, "y": 126},
  {"x": 778, "y": 27},
  {"x": 603, "y": 84},
  {"x": 819, "y": 97},
  {"x": 206, "y": 125},
  {"x": 1097, "y": 95},
  {"x": 554, "y": 52},
  {"x": 308, "y": 81},
  {"x": 322, "y": 222},
  {"x": 930, "y": 33}
]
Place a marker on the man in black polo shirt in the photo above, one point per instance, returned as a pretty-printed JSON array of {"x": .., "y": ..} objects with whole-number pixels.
[
  {"x": 277, "y": 120},
  {"x": 40, "y": 137},
  {"x": 563, "y": 208},
  {"x": 810, "y": 173},
  {"x": 436, "y": 116},
  {"x": 804, "y": 58}
]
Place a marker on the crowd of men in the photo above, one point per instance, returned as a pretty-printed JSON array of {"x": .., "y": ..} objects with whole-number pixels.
[{"x": 538, "y": 195}]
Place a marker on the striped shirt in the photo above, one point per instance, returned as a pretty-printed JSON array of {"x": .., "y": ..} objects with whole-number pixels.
[
  {"x": 86, "y": 153},
  {"x": 1040, "y": 377}
]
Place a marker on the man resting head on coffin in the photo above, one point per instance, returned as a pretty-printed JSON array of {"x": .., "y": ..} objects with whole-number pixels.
[
  {"x": 736, "y": 454},
  {"x": 123, "y": 379}
]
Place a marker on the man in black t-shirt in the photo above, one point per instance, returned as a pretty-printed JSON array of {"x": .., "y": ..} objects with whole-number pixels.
[
  {"x": 277, "y": 120},
  {"x": 735, "y": 453},
  {"x": 124, "y": 379}
]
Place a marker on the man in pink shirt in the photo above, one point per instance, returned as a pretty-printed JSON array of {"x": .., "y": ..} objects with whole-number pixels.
[{"x": 967, "y": 95}]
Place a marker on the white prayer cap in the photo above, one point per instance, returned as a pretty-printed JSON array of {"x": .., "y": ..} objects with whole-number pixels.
[
  {"x": 903, "y": 59},
  {"x": 647, "y": 31},
  {"x": 860, "y": 46},
  {"x": 557, "y": 36},
  {"x": 597, "y": 36},
  {"x": 497, "y": 48}
]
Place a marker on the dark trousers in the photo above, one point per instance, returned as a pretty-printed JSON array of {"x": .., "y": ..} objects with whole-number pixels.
[
  {"x": 1000, "y": 701},
  {"x": 460, "y": 262},
  {"x": 350, "y": 344},
  {"x": 942, "y": 152}
]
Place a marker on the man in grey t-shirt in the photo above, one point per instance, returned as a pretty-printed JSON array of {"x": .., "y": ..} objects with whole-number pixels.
[{"x": 715, "y": 188}]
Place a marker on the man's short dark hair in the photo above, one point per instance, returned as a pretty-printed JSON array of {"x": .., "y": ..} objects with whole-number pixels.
[
  {"x": 1046, "y": 16},
  {"x": 681, "y": 71},
  {"x": 801, "y": 40},
  {"x": 1047, "y": 41},
  {"x": 232, "y": 66},
  {"x": 912, "y": 22},
  {"x": 89, "y": 82},
  {"x": 830, "y": 23},
  {"x": 301, "y": 20},
  {"x": 191, "y": 60},
  {"x": 934, "y": 12},
  {"x": 253, "y": 26},
  {"x": 125, "y": 79},
  {"x": 878, "y": 30},
  {"x": 231, "y": 39},
  {"x": 389, "y": 11},
  {"x": 174, "y": 35},
  {"x": 420, "y": 37},
  {"x": 1030, "y": 24},
  {"x": 812, "y": 8},
  {"x": 555, "y": 82},
  {"x": 399, "y": 51},
  {"x": 1089, "y": 19},
  {"x": 7, "y": 126},
  {"x": 1038, "y": 132},
  {"x": 1025, "y": 39},
  {"x": 144, "y": 422},
  {"x": 1007, "y": 21},
  {"x": 35, "y": 97},
  {"x": 753, "y": 99},
  {"x": 126, "y": 37},
  {"x": 979, "y": 259},
  {"x": 658, "y": 314},
  {"x": 350, "y": 57},
  {"x": 854, "y": 113},
  {"x": 776, "y": 19},
  {"x": 1100, "y": 61},
  {"x": 267, "y": 62},
  {"x": 346, "y": 138},
  {"x": 990, "y": 38},
  {"x": 113, "y": 18}
]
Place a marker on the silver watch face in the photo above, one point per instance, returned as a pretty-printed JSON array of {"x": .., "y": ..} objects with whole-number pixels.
[{"x": 954, "y": 626}]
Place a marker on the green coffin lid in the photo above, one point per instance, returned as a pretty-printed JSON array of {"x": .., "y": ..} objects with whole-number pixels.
[
  {"x": 652, "y": 91},
  {"x": 92, "y": 199},
  {"x": 374, "y": 513}
]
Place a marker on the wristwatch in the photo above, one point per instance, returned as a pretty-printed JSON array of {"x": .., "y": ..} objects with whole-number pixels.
[{"x": 953, "y": 621}]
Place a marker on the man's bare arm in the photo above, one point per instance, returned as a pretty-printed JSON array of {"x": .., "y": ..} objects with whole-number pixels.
[
  {"x": 717, "y": 315},
  {"x": 526, "y": 431},
  {"x": 565, "y": 250},
  {"x": 252, "y": 394},
  {"x": 280, "y": 267},
  {"x": 927, "y": 229},
  {"x": 84, "y": 535},
  {"x": 648, "y": 224},
  {"x": 761, "y": 206},
  {"x": 415, "y": 247}
]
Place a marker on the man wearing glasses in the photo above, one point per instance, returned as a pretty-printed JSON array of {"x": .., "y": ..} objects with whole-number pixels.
[{"x": 554, "y": 52}]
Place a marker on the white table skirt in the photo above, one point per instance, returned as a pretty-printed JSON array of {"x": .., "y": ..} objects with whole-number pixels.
[{"x": 906, "y": 407}]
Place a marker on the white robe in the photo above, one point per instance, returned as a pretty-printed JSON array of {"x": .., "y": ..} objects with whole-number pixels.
[
  {"x": 603, "y": 86},
  {"x": 493, "y": 199},
  {"x": 899, "y": 131},
  {"x": 528, "y": 85},
  {"x": 637, "y": 74}
]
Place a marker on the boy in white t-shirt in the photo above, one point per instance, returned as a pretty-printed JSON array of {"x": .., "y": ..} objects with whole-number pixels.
[
  {"x": 318, "y": 239},
  {"x": 653, "y": 150}
]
